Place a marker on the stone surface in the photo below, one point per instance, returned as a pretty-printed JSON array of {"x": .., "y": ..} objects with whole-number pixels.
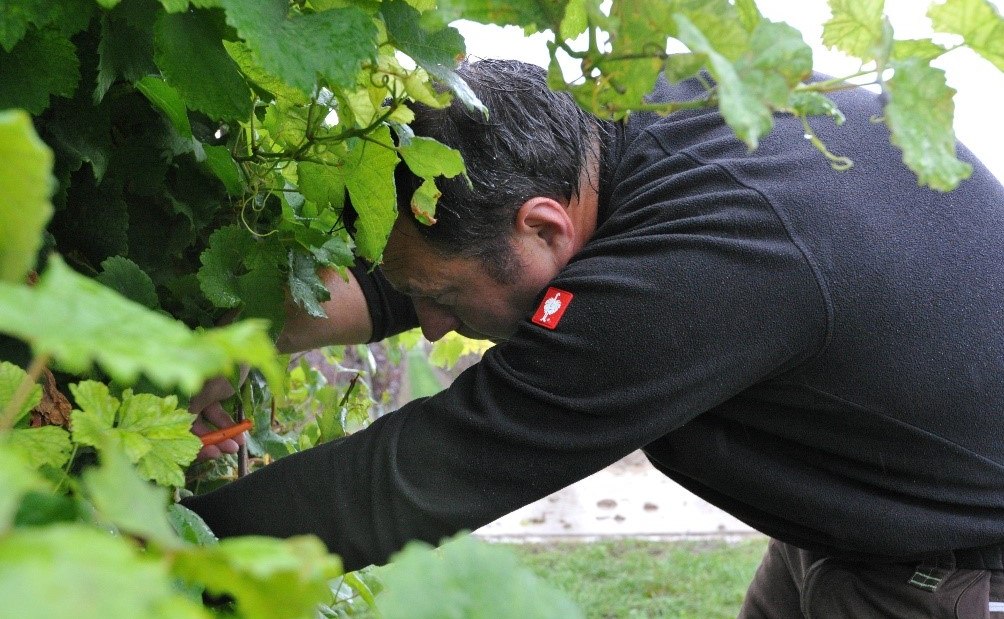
[{"x": 627, "y": 499}]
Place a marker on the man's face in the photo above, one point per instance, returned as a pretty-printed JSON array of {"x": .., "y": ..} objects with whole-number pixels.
[{"x": 457, "y": 294}]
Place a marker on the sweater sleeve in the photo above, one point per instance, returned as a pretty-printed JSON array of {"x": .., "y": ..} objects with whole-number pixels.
[{"x": 390, "y": 311}]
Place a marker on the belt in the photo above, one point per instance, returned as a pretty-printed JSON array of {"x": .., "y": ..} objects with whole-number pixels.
[
  {"x": 986, "y": 558},
  {"x": 930, "y": 573}
]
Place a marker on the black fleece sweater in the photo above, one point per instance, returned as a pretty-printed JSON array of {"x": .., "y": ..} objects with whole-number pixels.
[{"x": 819, "y": 353}]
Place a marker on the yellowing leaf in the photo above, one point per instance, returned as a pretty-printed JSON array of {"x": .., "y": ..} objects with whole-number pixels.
[
  {"x": 423, "y": 202},
  {"x": 11, "y": 377},
  {"x": 856, "y": 27},
  {"x": 978, "y": 21},
  {"x": 153, "y": 432},
  {"x": 38, "y": 447}
]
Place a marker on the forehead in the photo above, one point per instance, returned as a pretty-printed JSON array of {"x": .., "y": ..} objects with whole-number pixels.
[{"x": 413, "y": 266}]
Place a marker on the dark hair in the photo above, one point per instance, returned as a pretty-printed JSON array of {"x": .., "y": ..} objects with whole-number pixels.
[{"x": 535, "y": 142}]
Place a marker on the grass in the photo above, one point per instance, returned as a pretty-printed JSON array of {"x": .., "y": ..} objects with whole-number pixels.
[{"x": 635, "y": 578}]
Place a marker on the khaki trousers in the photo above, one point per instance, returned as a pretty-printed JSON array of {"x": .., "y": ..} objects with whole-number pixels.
[{"x": 792, "y": 583}]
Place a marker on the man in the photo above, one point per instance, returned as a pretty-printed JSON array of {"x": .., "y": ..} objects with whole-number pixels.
[{"x": 819, "y": 353}]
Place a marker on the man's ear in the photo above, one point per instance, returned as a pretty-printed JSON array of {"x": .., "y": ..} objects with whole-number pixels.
[{"x": 546, "y": 221}]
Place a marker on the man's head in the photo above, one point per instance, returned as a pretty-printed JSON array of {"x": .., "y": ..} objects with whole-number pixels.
[
  {"x": 529, "y": 208},
  {"x": 535, "y": 142}
]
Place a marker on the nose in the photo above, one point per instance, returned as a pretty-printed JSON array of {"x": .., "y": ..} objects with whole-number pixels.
[{"x": 434, "y": 319}]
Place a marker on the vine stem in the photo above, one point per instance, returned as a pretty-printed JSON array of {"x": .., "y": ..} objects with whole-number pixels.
[{"x": 23, "y": 391}]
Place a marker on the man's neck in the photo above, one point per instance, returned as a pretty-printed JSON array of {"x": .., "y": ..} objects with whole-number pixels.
[{"x": 583, "y": 208}]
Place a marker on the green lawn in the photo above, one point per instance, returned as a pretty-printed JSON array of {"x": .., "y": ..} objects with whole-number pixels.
[{"x": 633, "y": 578}]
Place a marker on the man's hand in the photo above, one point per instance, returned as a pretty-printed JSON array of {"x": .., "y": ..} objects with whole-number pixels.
[
  {"x": 210, "y": 416},
  {"x": 348, "y": 322}
]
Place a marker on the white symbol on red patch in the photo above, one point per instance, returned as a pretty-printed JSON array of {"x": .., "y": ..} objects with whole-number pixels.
[{"x": 552, "y": 308}]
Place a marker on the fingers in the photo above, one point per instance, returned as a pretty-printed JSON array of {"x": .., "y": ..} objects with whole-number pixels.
[
  {"x": 211, "y": 452},
  {"x": 213, "y": 417},
  {"x": 214, "y": 390}
]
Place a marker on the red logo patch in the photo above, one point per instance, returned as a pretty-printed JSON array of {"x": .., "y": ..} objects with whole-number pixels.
[{"x": 552, "y": 308}]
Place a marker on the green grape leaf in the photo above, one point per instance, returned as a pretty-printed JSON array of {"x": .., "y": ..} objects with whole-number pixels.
[
  {"x": 448, "y": 350},
  {"x": 223, "y": 264},
  {"x": 11, "y": 377},
  {"x": 925, "y": 49},
  {"x": 17, "y": 478},
  {"x": 428, "y": 158},
  {"x": 435, "y": 48},
  {"x": 856, "y": 27},
  {"x": 429, "y": 48},
  {"x": 126, "y": 501},
  {"x": 222, "y": 165},
  {"x": 26, "y": 185},
  {"x": 44, "y": 446},
  {"x": 575, "y": 20},
  {"x": 286, "y": 123},
  {"x": 416, "y": 84},
  {"x": 43, "y": 508},
  {"x": 682, "y": 66},
  {"x": 191, "y": 56},
  {"x": 721, "y": 23},
  {"x": 468, "y": 576},
  {"x": 809, "y": 103},
  {"x": 190, "y": 526},
  {"x": 919, "y": 114},
  {"x": 99, "y": 576},
  {"x": 460, "y": 89},
  {"x": 640, "y": 38},
  {"x": 100, "y": 410},
  {"x": 748, "y": 116},
  {"x": 80, "y": 322},
  {"x": 334, "y": 252},
  {"x": 98, "y": 224},
  {"x": 241, "y": 271},
  {"x": 424, "y": 200},
  {"x": 68, "y": 16},
  {"x": 977, "y": 21},
  {"x": 332, "y": 44},
  {"x": 125, "y": 277},
  {"x": 166, "y": 428},
  {"x": 749, "y": 14},
  {"x": 532, "y": 16},
  {"x": 268, "y": 578},
  {"x": 126, "y": 47},
  {"x": 174, "y": 6},
  {"x": 43, "y": 64},
  {"x": 168, "y": 101},
  {"x": 306, "y": 288},
  {"x": 778, "y": 60},
  {"x": 248, "y": 62},
  {"x": 324, "y": 185},
  {"x": 153, "y": 432},
  {"x": 370, "y": 180},
  {"x": 83, "y": 136}
]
